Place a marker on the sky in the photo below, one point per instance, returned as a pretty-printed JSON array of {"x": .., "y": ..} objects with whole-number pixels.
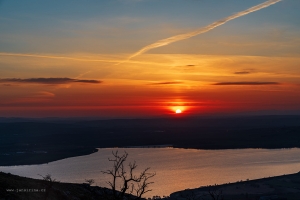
[{"x": 77, "y": 58}]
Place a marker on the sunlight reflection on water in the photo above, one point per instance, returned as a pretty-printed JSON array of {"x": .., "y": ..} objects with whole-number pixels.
[{"x": 176, "y": 169}]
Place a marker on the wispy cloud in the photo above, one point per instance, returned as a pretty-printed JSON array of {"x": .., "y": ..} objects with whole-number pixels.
[
  {"x": 33, "y": 98},
  {"x": 185, "y": 68},
  {"x": 56, "y": 57},
  {"x": 166, "y": 83},
  {"x": 7, "y": 85},
  {"x": 246, "y": 83},
  {"x": 43, "y": 94},
  {"x": 51, "y": 81},
  {"x": 242, "y": 72},
  {"x": 184, "y": 36}
]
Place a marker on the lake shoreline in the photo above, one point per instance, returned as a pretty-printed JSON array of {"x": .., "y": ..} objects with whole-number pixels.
[
  {"x": 35, "y": 159},
  {"x": 31, "y": 158}
]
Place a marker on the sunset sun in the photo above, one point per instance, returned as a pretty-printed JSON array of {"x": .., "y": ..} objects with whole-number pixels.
[{"x": 178, "y": 111}]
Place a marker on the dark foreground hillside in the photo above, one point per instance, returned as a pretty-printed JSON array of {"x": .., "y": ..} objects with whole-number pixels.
[
  {"x": 285, "y": 187},
  {"x": 42, "y": 141},
  {"x": 14, "y": 187}
]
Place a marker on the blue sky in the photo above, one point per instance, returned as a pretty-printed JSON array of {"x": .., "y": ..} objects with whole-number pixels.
[{"x": 123, "y": 26}]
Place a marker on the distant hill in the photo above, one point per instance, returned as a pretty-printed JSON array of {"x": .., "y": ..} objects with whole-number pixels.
[{"x": 46, "y": 140}]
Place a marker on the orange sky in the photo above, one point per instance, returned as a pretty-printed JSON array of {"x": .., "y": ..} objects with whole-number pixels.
[
  {"x": 66, "y": 63},
  {"x": 196, "y": 84}
]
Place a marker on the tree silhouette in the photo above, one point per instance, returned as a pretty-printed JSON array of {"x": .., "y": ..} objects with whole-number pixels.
[{"x": 125, "y": 184}]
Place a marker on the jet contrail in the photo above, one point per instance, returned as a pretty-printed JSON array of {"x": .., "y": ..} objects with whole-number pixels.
[
  {"x": 159, "y": 43},
  {"x": 54, "y": 57},
  {"x": 75, "y": 58},
  {"x": 184, "y": 36}
]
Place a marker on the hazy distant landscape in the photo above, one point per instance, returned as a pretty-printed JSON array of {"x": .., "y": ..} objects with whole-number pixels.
[{"x": 42, "y": 141}]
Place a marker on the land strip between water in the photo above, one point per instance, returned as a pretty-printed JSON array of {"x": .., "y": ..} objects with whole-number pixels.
[{"x": 42, "y": 141}]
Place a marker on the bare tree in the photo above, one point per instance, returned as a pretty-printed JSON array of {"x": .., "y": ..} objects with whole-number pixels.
[
  {"x": 48, "y": 183},
  {"x": 124, "y": 184},
  {"x": 90, "y": 181}
]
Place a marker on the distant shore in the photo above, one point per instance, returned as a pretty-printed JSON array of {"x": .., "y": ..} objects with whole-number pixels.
[
  {"x": 33, "y": 158},
  {"x": 30, "y": 158},
  {"x": 38, "y": 142}
]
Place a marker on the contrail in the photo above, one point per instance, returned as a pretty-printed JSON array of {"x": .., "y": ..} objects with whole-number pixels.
[
  {"x": 54, "y": 57},
  {"x": 75, "y": 58},
  {"x": 159, "y": 43},
  {"x": 184, "y": 36}
]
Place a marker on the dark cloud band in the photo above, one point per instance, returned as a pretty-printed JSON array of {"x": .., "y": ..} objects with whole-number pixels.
[
  {"x": 246, "y": 83},
  {"x": 167, "y": 83},
  {"x": 242, "y": 72},
  {"x": 48, "y": 80}
]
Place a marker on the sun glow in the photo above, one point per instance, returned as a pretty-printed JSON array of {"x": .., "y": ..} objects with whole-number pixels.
[
  {"x": 179, "y": 106},
  {"x": 178, "y": 111}
]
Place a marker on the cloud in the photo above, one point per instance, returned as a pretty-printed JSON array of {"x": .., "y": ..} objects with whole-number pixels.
[
  {"x": 43, "y": 94},
  {"x": 86, "y": 81},
  {"x": 51, "y": 81},
  {"x": 242, "y": 72},
  {"x": 185, "y": 67},
  {"x": 167, "y": 83},
  {"x": 246, "y": 83},
  {"x": 29, "y": 99},
  {"x": 7, "y": 85}
]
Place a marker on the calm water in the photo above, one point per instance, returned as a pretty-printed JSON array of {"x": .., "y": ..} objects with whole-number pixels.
[{"x": 176, "y": 169}]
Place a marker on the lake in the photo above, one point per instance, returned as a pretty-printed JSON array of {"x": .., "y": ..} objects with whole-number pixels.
[{"x": 176, "y": 169}]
